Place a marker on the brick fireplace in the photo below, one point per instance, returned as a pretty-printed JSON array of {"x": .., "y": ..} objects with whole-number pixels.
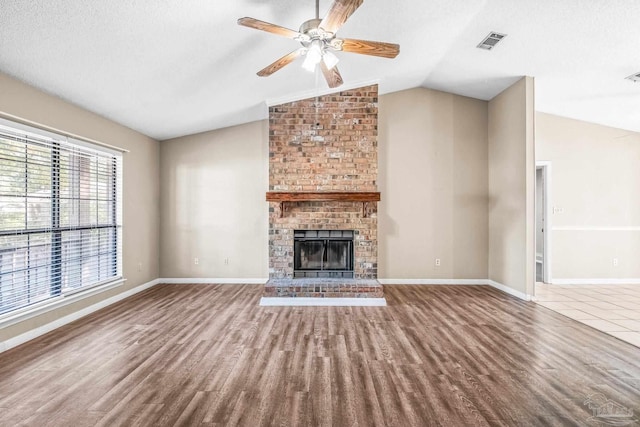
[{"x": 323, "y": 171}]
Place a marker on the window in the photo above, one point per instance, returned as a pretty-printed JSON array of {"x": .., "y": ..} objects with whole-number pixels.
[{"x": 59, "y": 216}]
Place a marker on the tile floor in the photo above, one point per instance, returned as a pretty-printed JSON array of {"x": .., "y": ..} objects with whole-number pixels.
[{"x": 614, "y": 309}]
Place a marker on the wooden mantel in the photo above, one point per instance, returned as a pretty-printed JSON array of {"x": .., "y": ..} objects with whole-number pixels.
[
  {"x": 322, "y": 196},
  {"x": 283, "y": 197}
]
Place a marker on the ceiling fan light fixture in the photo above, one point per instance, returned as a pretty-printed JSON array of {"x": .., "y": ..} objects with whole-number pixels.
[
  {"x": 330, "y": 59},
  {"x": 314, "y": 56}
]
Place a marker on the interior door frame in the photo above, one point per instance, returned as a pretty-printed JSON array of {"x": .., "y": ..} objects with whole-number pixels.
[{"x": 545, "y": 166}]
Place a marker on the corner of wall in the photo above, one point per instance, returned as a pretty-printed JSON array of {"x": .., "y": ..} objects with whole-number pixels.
[{"x": 512, "y": 187}]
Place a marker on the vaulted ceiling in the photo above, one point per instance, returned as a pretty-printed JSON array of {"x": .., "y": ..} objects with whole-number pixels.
[{"x": 169, "y": 68}]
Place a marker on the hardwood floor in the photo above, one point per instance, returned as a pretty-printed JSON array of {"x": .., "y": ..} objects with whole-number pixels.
[{"x": 209, "y": 355}]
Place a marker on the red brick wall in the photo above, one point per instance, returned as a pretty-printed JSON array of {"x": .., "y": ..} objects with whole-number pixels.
[{"x": 327, "y": 143}]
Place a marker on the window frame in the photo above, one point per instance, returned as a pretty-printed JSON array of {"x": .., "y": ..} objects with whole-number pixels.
[{"x": 67, "y": 143}]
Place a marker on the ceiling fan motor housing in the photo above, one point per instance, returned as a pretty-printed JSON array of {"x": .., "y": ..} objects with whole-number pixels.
[{"x": 312, "y": 31}]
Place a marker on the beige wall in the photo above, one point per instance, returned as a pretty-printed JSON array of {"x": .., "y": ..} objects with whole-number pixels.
[
  {"x": 596, "y": 182},
  {"x": 140, "y": 187},
  {"x": 213, "y": 204},
  {"x": 434, "y": 186},
  {"x": 512, "y": 187},
  {"x": 433, "y": 179}
]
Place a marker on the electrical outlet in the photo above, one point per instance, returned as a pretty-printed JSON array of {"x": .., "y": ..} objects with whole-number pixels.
[
  {"x": 139, "y": 266},
  {"x": 226, "y": 261},
  {"x": 558, "y": 210},
  {"x": 615, "y": 262},
  {"x": 437, "y": 262},
  {"x": 196, "y": 261}
]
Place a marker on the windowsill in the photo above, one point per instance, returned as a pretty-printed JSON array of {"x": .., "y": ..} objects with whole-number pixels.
[{"x": 17, "y": 316}]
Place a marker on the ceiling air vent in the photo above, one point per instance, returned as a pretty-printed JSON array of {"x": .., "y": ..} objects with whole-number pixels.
[
  {"x": 491, "y": 40},
  {"x": 634, "y": 77}
]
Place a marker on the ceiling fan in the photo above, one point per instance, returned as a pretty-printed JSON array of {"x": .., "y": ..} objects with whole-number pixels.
[{"x": 318, "y": 39}]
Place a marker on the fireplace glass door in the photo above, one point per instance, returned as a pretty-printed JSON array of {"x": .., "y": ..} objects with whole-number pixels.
[
  {"x": 310, "y": 255},
  {"x": 323, "y": 253}
]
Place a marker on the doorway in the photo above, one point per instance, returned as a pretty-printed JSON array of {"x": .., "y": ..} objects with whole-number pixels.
[{"x": 543, "y": 222}]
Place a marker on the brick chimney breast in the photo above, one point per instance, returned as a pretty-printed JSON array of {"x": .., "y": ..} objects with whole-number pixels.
[{"x": 324, "y": 144}]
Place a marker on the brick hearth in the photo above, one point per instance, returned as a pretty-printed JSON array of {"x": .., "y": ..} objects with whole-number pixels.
[
  {"x": 324, "y": 144},
  {"x": 329, "y": 288}
]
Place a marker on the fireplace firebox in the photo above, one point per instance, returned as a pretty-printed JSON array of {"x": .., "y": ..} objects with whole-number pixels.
[{"x": 323, "y": 253}]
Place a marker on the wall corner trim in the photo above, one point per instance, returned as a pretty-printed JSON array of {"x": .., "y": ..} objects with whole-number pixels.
[{"x": 34, "y": 333}]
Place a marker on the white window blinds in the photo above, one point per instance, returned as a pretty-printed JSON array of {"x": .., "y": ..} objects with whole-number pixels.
[{"x": 60, "y": 216}]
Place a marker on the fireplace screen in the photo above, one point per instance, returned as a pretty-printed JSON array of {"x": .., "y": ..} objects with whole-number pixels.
[{"x": 323, "y": 253}]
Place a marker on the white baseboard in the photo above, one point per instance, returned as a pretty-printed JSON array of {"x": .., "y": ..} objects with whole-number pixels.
[
  {"x": 632, "y": 281},
  {"x": 213, "y": 281},
  {"x": 433, "y": 281},
  {"x": 331, "y": 302},
  {"x": 509, "y": 290},
  {"x": 34, "y": 333}
]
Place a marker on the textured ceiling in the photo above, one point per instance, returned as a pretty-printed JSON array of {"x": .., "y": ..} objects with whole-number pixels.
[{"x": 168, "y": 68}]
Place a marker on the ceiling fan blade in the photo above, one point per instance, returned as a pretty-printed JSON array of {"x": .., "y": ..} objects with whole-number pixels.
[
  {"x": 278, "y": 64},
  {"x": 268, "y": 27},
  {"x": 365, "y": 47},
  {"x": 332, "y": 76},
  {"x": 340, "y": 11}
]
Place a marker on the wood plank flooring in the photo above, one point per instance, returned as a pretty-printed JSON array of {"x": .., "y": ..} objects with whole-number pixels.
[{"x": 208, "y": 355}]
